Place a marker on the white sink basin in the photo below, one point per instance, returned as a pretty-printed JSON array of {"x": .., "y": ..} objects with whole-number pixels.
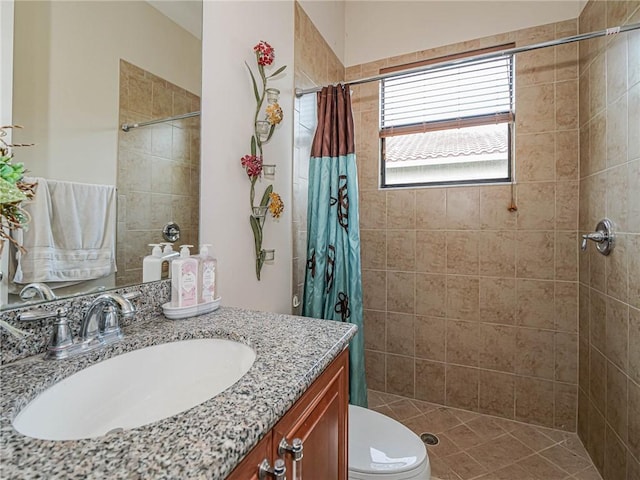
[{"x": 135, "y": 389}]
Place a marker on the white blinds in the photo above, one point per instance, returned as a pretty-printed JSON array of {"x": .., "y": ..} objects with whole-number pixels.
[{"x": 474, "y": 93}]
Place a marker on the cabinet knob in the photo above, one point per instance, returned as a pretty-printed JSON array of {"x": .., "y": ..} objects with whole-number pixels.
[
  {"x": 295, "y": 448},
  {"x": 279, "y": 470}
]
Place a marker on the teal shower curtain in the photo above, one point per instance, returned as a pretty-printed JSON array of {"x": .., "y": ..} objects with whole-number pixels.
[{"x": 333, "y": 282}]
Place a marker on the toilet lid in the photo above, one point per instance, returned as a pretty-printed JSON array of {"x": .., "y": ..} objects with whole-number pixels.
[{"x": 379, "y": 444}]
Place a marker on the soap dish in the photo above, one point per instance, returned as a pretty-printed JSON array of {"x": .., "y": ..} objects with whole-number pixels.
[{"x": 177, "y": 313}]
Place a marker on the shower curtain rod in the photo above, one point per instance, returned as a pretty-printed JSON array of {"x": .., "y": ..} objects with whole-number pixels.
[
  {"x": 486, "y": 56},
  {"x": 128, "y": 126}
]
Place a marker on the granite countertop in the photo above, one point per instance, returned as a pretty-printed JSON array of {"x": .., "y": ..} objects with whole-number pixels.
[{"x": 207, "y": 441}]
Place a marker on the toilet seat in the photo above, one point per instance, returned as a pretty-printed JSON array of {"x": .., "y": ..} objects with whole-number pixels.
[{"x": 381, "y": 448}]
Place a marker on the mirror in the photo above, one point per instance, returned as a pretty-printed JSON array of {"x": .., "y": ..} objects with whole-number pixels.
[{"x": 81, "y": 69}]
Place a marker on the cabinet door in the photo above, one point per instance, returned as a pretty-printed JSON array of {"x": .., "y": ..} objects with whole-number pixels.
[
  {"x": 319, "y": 419},
  {"x": 248, "y": 468}
]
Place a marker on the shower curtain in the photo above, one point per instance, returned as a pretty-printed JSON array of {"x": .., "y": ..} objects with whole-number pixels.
[{"x": 333, "y": 283}]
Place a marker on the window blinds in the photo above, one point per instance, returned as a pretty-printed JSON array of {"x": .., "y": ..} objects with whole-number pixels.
[{"x": 475, "y": 93}]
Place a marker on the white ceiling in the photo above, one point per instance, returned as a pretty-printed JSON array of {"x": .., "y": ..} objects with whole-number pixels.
[{"x": 186, "y": 13}]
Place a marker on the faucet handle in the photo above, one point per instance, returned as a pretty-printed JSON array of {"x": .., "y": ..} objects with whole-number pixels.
[
  {"x": 61, "y": 339},
  {"x": 41, "y": 314}
]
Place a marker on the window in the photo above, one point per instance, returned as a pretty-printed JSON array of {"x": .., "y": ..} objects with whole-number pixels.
[{"x": 448, "y": 125}]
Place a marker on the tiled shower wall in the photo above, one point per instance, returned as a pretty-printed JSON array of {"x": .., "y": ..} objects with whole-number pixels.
[
  {"x": 609, "y": 327},
  {"x": 315, "y": 65},
  {"x": 466, "y": 303},
  {"x": 158, "y": 168}
]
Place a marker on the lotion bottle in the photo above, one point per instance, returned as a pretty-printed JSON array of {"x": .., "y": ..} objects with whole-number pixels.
[
  {"x": 207, "y": 270},
  {"x": 184, "y": 279},
  {"x": 152, "y": 264}
]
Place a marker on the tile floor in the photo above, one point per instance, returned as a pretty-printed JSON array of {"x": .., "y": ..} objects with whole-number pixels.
[{"x": 482, "y": 447}]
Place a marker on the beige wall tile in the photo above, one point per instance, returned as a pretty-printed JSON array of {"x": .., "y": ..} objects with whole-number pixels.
[
  {"x": 431, "y": 291},
  {"x": 463, "y": 207},
  {"x": 566, "y": 307},
  {"x": 463, "y": 297},
  {"x": 615, "y": 455},
  {"x": 401, "y": 292},
  {"x": 536, "y": 206},
  {"x": 373, "y": 249},
  {"x": 536, "y": 66},
  {"x": 462, "y": 345},
  {"x": 617, "y": 333},
  {"x": 595, "y": 437},
  {"x": 534, "y": 401},
  {"x": 634, "y": 419},
  {"x": 566, "y": 253},
  {"x": 597, "y": 143},
  {"x": 597, "y": 379},
  {"x": 462, "y": 387},
  {"x": 430, "y": 338},
  {"x": 462, "y": 252},
  {"x": 617, "y": 134},
  {"x": 535, "y": 254},
  {"x": 535, "y": 357},
  {"x": 566, "y": 354},
  {"x": 401, "y": 209},
  {"x": 616, "y": 268},
  {"x": 633, "y": 110},
  {"x": 400, "y": 334},
  {"x": 430, "y": 381},
  {"x": 431, "y": 209},
  {"x": 567, "y": 194},
  {"x": 616, "y": 412},
  {"x": 535, "y": 157},
  {"x": 374, "y": 330},
  {"x": 536, "y": 109},
  {"x": 375, "y": 368},
  {"x": 494, "y": 208},
  {"x": 565, "y": 401},
  {"x": 374, "y": 290},
  {"x": 497, "y": 300},
  {"x": 597, "y": 85},
  {"x": 497, "y": 394},
  {"x": 373, "y": 210},
  {"x": 431, "y": 250},
  {"x": 535, "y": 300},
  {"x": 497, "y": 347},
  {"x": 400, "y": 375},
  {"x": 634, "y": 341},
  {"x": 401, "y": 250},
  {"x": 497, "y": 253},
  {"x": 567, "y": 155},
  {"x": 633, "y": 195},
  {"x": 566, "y": 102}
]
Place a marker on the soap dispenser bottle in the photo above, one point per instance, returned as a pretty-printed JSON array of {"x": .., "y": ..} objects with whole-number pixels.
[
  {"x": 207, "y": 268},
  {"x": 152, "y": 264},
  {"x": 184, "y": 279},
  {"x": 168, "y": 255}
]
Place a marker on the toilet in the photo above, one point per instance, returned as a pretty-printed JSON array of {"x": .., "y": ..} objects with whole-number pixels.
[{"x": 381, "y": 448}]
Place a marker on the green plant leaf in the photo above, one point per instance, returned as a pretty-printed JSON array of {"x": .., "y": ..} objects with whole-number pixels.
[
  {"x": 255, "y": 85},
  {"x": 257, "y": 239},
  {"x": 265, "y": 196},
  {"x": 280, "y": 70},
  {"x": 253, "y": 145}
]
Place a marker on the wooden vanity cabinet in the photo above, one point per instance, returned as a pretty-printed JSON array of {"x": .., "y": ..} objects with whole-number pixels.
[{"x": 319, "y": 419}]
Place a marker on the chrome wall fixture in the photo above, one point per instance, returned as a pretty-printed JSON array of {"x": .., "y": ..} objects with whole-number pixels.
[{"x": 603, "y": 237}]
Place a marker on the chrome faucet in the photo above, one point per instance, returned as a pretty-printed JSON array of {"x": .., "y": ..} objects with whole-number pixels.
[
  {"x": 37, "y": 289},
  {"x": 100, "y": 324}
]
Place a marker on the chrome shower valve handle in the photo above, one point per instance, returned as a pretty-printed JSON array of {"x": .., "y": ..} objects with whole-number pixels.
[{"x": 603, "y": 237}]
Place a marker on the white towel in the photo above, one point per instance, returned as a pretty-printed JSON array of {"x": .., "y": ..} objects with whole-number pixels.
[{"x": 72, "y": 233}]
